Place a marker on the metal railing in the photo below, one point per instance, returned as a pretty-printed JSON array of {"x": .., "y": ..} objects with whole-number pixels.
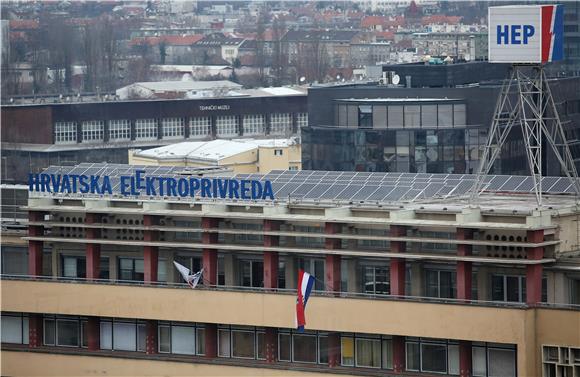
[{"x": 288, "y": 291}]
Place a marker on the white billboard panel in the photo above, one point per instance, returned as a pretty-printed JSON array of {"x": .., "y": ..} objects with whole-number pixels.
[{"x": 526, "y": 33}]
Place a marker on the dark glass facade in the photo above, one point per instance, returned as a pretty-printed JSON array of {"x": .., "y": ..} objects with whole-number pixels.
[{"x": 417, "y": 151}]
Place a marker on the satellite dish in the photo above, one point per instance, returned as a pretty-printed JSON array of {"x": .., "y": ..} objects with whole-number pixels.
[
  {"x": 302, "y": 79},
  {"x": 396, "y": 79}
]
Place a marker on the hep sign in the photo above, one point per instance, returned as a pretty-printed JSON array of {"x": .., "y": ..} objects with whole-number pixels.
[
  {"x": 526, "y": 33},
  {"x": 514, "y": 34}
]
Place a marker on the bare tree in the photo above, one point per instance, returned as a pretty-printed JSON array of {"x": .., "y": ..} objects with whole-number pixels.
[
  {"x": 279, "y": 59},
  {"x": 260, "y": 44}
]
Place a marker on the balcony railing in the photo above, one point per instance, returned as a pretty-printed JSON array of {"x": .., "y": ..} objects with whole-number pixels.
[{"x": 287, "y": 291}]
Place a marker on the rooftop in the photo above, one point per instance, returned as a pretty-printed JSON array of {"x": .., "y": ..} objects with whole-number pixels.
[
  {"x": 419, "y": 191},
  {"x": 213, "y": 150}
]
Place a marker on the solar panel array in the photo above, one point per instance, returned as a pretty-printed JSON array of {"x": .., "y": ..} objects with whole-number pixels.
[{"x": 355, "y": 187}]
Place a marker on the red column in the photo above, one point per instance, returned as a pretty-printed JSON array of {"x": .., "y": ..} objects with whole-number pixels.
[
  {"x": 271, "y": 340},
  {"x": 464, "y": 269},
  {"x": 150, "y": 253},
  {"x": 151, "y": 337},
  {"x": 34, "y": 330},
  {"x": 332, "y": 278},
  {"x": 333, "y": 349},
  {"x": 210, "y": 278},
  {"x": 534, "y": 271},
  {"x": 93, "y": 251},
  {"x": 332, "y": 282},
  {"x": 398, "y": 270},
  {"x": 271, "y": 281},
  {"x": 209, "y": 255},
  {"x": 398, "y": 354},
  {"x": 211, "y": 340},
  {"x": 35, "y": 247},
  {"x": 465, "y": 356},
  {"x": 271, "y": 257},
  {"x": 94, "y": 333}
]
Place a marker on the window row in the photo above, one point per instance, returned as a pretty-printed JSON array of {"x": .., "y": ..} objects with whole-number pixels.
[
  {"x": 401, "y": 116},
  {"x": 174, "y": 128},
  {"x": 246, "y": 342}
]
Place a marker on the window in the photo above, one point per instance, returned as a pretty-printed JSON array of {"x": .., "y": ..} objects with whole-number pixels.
[
  {"x": 440, "y": 284},
  {"x": 347, "y": 351},
  {"x": 67, "y": 333},
  {"x": 304, "y": 348},
  {"x": 445, "y": 116},
  {"x": 316, "y": 268},
  {"x": 302, "y": 120},
  {"x": 224, "y": 343},
  {"x": 459, "y": 115},
  {"x": 119, "y": 130},
  {"x": 280, "y": 123},
  {"x": 65, "y": 133},
  {"x": 251, "y": 273},
  {"x": 322, "y": 349},
  {"x": 227, "y": 125},
  {"x": 434, "y": 357},
  {"x": 93, "y": 130},
  {"x": 62, "y": 331},
  {"x": 123, "y": 335},
  {"x": 75, "y": 267},
  {"x": 199, "y": 127},
  {"x": 254, "y": 124},
  {"x": 183, "y": 340},
  {"x": 429, "y": 116},
  {"x": 133, "y": 269},
  {"x": 172, "y": 128},
  {"x": 395, "y": 116},
  {"x": 243, "y": 345},
  {"x": 14, "y": 261},
  {"x": 365, "y": 116},
  {"x": 501, "y": 362},
  {"x": 479, "y": 361},
  {"x": 375, "y": 280},
  {"x": 284, "y": 347},
  {"x": 14, "y": 328},
  {"x": 412, "y": 116},
  {"x": 278, "y": 152},
  {"x": 508, "y": 288},
  {"x": 145, "y": 129},
  {"x": 368, "y": 353}
]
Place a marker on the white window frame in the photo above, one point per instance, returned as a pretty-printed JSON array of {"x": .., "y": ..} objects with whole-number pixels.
[
  {"x": 254, "y": 124},
  {"x": 199, "y": 127},
  {"x": 93, "y": 131},
  {"x": 146, "y": 129},
  {"x": 65, "y": 133},
  {"x": 302, "y": 120},
  {"x": 227, "y": 126},
  {"x": 280, "y": 123},
  {"x": 172, "y": 128},
  {"x": 119, "y": 130}
]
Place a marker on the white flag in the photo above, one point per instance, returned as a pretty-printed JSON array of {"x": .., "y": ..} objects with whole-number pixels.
[{"x": 192, "y": 280}]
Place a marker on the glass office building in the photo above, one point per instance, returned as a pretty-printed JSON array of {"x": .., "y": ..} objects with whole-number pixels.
[{"x": 396, "y": 135}]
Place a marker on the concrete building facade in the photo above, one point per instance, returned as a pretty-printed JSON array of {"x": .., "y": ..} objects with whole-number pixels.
[{"x": 424, "y": 286}]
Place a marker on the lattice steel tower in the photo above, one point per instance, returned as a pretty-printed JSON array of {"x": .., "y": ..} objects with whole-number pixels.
[{"x": 526, "y": 100}]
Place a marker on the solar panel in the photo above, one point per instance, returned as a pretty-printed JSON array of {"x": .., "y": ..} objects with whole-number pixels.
[{"x": 343, "y": 186}]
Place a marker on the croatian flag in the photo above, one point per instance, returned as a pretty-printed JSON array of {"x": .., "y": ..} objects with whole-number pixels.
[
  {"x": 191, "y": 280},
  {"x": 305, "y": 284}
]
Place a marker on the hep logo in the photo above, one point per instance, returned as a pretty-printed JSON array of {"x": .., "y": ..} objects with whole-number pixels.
[{"x": 514, "y": 34}]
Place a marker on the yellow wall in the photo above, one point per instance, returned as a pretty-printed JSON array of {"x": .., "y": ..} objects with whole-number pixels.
[
  {"x": 528, "y": 328},
  {"x": 42, "y": 364},
  {"x": 260, "y": 160},
  {"x": 291, "y": 157}
]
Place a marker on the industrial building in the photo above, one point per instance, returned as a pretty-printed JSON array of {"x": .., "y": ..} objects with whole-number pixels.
[
  {"x": 239, "y": 155},
  {"x": 437, "y": 123},
  {"x": 411, "y": 277},
  {"x": 39, "y": 132}
]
